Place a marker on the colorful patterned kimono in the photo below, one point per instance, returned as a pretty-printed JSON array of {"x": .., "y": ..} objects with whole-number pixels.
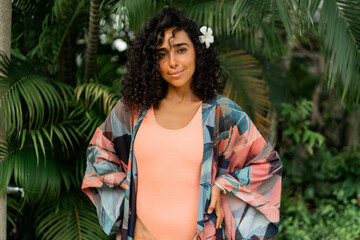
[{"x": 236, "y": 155}]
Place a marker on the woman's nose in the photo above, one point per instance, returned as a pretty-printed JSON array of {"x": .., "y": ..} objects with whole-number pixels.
[{"x": 172, "y": 60}]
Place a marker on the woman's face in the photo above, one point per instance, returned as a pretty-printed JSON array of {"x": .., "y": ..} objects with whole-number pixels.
[{"x": 177, "y": 59}]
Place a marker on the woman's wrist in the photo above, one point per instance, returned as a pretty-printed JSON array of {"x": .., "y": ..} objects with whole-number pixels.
[{"x": 219, "y": 186}]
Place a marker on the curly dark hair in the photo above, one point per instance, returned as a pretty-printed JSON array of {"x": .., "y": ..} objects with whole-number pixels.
[{"x": 143, "y": 85}]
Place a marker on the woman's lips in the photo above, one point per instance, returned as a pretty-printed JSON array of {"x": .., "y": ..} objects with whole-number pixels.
[{"x": 176, "y": 74}]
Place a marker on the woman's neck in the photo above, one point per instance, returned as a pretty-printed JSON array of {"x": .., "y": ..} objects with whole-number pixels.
[{"x": 179, "y": 95}]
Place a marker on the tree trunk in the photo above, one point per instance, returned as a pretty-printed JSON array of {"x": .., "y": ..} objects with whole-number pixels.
[
  {"x": 67, "y": 61},
  {"x": 5, "y": 46},
  {"x": 352, "y": 129},
  {"x": 93, "y": 39}
]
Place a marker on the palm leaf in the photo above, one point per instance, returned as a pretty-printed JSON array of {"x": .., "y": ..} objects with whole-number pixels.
[
  {"x": 61, "y": 135},
  {"x": 218, "y": 16},
  {"x": 73, "y": 217},
  {"x": 27, "y": 23},
  {"x": 59, "y": 13},
  {"x": 271, "y": 44},
  {"x": 40, "y": 179},
  {"x": 108, "y": 72},
  {"x": 13, "y": 206},
  {"x": 304, "y": 12},
  {"x": 242, "y": 10},
  {"x": 245, "y": 22},
  {"x": 90, "y": 122},
  {"x": 26, "y": 5},
  {"x": 243, "y": 84},
  {"x": 43, "y": 98},
  {"x": 215, "y": 15},
  {"x": 96, "y": 94},
  {"x": 339, "y": 26},
  {"x": 281, "y": 8},
  {"x": 63, "y": 16},
  {"x": 96, "y": 101}
]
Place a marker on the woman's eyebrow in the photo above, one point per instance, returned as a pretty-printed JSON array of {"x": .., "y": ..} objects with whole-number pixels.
[
  {"x": 174, "y": 46},
  {"x": 180, "y": 44}
]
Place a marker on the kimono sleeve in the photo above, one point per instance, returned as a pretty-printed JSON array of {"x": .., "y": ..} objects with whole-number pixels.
[
  {"x": 250, "y": 170},
  {"x": 105, "y": 176}
]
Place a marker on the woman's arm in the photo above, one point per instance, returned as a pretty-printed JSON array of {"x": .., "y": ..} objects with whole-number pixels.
[
  {"x": 105, "y": 176},
  {"x": 250, "y": 171}
]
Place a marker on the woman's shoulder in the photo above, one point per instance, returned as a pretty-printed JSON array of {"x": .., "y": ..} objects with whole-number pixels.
[
  {"x": 226, "y": 104},
  {"x": 121, "y": 109},
  {"x": 122, "y": 113}
]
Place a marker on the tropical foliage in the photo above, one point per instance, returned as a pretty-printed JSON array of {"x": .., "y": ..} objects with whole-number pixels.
[{"x": 292, "y": 65}]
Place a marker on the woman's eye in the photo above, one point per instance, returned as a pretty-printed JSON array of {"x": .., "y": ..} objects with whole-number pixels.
[
  {"x": 182, "y": 50},
  {"x": 161, "y": 55}
]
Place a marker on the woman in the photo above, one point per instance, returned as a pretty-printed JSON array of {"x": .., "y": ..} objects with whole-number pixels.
[{"x": 175, "y": 160}]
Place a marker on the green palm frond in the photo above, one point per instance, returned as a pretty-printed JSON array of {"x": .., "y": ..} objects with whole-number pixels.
[
  {"x": 73, "y": 217},
  {"x": 243, "y": 84},
  {"x": 107, "y": 72},
  {"x": 27, "y": 23},
  {"x": 304, "y": 12},
  {"x": 279, "y": 7},
  {"x": 271, "y": 43},
  {"x": 255, "y": 9},
  {"x": 339, "y": 26},
  {"x": 96, "y": 101},
  {"x": 213, "y": 14},
  {"x": 26, "y": 5},
  {"x": 61, "y": 136},
  {"x": 90, "y": 122},
  {"x": 59, "y": 12},
  {"x": 51, "y": 39},
  {"x": 249, "y": 21},
  {"x": 13, "y": 206},
  {"x": 221, "y": 17},
  {"x": 23, "y": 160},
  {"x": 30, "y": 101},
  {"x": 96, "y": 94},
  {"x": 41, "y": 179}
]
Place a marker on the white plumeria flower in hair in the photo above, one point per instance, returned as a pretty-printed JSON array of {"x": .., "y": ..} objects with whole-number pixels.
[{"x": 207, "y": 38}]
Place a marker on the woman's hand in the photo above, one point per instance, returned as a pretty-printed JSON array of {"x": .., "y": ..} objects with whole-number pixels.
[{"x": 215, "y": 203}]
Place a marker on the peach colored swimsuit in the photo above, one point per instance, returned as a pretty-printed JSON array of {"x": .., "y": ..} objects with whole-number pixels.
[{"x": 169, "y": 166}]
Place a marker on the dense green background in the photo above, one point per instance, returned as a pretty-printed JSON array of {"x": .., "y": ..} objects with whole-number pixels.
[{"x": 292, "y": 65}]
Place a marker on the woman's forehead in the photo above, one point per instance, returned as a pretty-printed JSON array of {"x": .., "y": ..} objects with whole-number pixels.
[{"x": 171, "y": 37}]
